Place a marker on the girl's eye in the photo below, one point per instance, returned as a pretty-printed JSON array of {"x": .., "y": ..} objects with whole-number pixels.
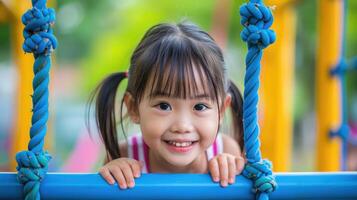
[
  {"x": 164, "y": 106},
  {"x": 200, "y": 107}
]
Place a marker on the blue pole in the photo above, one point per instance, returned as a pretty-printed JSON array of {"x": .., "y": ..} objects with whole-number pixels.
[{"x": 342, "y": 185}]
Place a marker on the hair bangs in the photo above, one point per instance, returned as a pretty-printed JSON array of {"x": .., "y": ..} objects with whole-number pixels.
[{"x": 181, "y": 71}]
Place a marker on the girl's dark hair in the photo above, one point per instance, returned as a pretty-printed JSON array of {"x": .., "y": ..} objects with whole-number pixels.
[
  {"x": 167, "y": 62},
  {"x": 237, "y": 113}
]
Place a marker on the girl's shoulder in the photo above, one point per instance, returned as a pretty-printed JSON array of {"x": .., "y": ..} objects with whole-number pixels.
[
  {"x": 127, "y": 144},
  {"x": 222, "y": 144},
  {"x": 135, "y": 146},
  {"x": 230, "y": 145},
  {"x": 138, "y": 150}
]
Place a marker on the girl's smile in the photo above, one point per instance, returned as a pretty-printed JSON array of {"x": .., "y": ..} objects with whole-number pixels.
[{"x": 180, "y": 146}]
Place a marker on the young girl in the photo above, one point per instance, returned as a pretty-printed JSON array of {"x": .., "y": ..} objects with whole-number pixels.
[{"x": 177, "y": 93}]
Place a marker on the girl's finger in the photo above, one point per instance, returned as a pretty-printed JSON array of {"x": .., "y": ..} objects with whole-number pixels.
[
  {"x": 240, "y": 162},
  {"x": 231, "y": 169},
  {"x": 135, "y": 167},
  {"x": 119, "y": 177},
  {"x": 104, "y": 172},
  {"x": 128, "y": 174},
  {"x": 214, "y": 169},
  {"x": 223, "y": 170}
]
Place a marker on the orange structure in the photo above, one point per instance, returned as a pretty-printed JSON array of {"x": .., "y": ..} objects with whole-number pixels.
[
  {"x": 329, "y": 46},
  {"x": 277, "y": 86}
]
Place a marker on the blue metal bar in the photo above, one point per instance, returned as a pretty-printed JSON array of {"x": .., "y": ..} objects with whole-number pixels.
[{"x": 341, "y": 185}]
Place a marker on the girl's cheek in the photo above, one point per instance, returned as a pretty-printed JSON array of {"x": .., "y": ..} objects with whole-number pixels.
[
  {"x": 210, "y": 123},
  {"x": 209, "y": 131},
  {"x": 153, "y": 127}
]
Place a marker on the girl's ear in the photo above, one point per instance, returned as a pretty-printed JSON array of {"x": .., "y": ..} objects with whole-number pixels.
[
  {"x": 226, "y": 103},
  {"x": 131, "y": 107}
]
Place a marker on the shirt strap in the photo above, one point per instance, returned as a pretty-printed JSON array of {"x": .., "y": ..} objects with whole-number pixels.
[
  {"x": 216, "y": 148},
  {"x": 138, "y": 150}
]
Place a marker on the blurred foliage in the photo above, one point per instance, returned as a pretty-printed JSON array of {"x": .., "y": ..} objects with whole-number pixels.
[
  {"x": 350, "y": 52},
  {"x": 305, "y": 58},
  {"x": 98, "y": 37},
  {"x": 351, "y": 29},
  {"x": 110, "y": 31},
  {"x": 4, "y": 41}
]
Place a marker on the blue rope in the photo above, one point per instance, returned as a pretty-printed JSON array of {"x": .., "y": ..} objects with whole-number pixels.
[
  {"x": 256, "y": 19},
  {"x": 343, "y": 131},
  {"x": 39, "y": 40}
]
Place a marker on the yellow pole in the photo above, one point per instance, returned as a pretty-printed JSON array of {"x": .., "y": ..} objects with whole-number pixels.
[
  {"x": 277, "y": 81},
  {"x": 329, "y": 46},
  {"x": 21, "y": 125},
  {"x": 24, "y": 63}
]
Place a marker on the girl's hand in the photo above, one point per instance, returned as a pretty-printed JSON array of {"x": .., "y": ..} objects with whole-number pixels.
[
  {"x": 121, "y": 170},
  {"x": 224, "y": 168}
]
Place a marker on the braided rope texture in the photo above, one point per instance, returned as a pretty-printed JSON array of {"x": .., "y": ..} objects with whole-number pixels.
[
  {"x": 39, "y": 40},
  {"x": 256, "y": 19}
]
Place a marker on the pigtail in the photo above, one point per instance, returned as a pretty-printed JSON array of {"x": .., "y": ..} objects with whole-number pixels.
[
  {"x": 104, "y": 96},
  {"x": 237, "y": 113}
]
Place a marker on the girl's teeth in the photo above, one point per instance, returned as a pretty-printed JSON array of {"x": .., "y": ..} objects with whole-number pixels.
[{"x": 180, "y": 144}]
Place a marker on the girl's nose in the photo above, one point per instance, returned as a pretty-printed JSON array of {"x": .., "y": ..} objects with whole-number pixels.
[{"x": 182, "y": 126}]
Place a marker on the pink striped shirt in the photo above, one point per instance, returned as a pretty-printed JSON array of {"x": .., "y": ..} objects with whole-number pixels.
[{"x": 138, "y": 150}]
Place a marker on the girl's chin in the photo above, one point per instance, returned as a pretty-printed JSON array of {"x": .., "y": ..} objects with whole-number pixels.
[
  {"x": 180, "y": 160},
  {"x": 180, "y": 166}
]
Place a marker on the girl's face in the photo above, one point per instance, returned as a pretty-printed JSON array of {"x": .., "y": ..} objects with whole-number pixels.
[{"x": 179, "y": 130}]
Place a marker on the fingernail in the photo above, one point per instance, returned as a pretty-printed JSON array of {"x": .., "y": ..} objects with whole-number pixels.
[
  {"x": 215, "y": 179},
  {"x": 231, "y": 181},
  {"x": 137, "y": 175},
  {"x": 111, "y": 182},
  {"x": 123, "y": 186},
  {"x": 224, "y": 183},
  {"x": 131, "y": 184}
]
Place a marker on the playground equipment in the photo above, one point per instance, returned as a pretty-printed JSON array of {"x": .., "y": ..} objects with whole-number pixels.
[
  {"x": 23, "y": 61},
  {"x": 339, "y": 70},
  {"x": 184, "y": 186},
  {"x": 257, "y": 19},
  {"x": 328, "y": 114},
  {"x": 277, "y": 87}
]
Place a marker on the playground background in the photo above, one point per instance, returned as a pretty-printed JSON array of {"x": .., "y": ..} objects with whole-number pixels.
[{"x": 96, "y": 39}]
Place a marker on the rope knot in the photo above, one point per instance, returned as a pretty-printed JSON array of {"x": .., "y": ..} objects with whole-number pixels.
[
  {"x": 257, "y": 19},
  {"x": 340, "y": 69},
  {"x": 261, "y": 175},
  {"x": 32, "y": 167},
  {"x": 38, "y": 33},
  {"x": 343, "y": 132}
]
